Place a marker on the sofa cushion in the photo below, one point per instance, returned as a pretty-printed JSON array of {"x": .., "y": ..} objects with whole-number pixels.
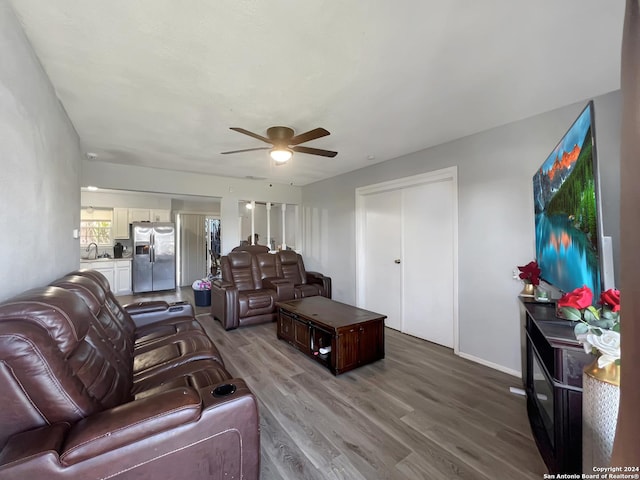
[
  {"x": 197, "y": 374},
  {"x": 159, "y": 327},
  {"x": 53, "y": 365},
  {"x": 239, "y": 268},
  {"x": 266, "y": 265},
  {"x": 121, "y": 315},
  {"x": 257, "y": 302},
  {"x": 151, "y": 355},
  {"x": 94, "y": 297},
  {"x": 289, "y": 267},
  {"x": 75, "y": 331}
]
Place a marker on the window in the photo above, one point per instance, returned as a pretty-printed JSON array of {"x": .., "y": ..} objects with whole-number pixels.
[
  {"x": 95, "y": 226},
  {"x": 95, "y": 231}
]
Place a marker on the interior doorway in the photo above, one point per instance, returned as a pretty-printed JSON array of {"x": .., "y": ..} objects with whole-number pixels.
[
  {"x": 212, "y": 232},
  {"x": 406, "y": 263},
  {"x": 198, "y": 246}
]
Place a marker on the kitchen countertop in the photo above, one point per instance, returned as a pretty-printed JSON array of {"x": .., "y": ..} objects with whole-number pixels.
[{"x": 91, "y": 260}]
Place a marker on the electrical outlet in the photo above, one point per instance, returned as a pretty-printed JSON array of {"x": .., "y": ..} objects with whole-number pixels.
[{"x": 516, "y": 274}]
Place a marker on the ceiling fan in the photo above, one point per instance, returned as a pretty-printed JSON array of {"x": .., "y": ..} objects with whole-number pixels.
[{"x": 284, "y": 143}]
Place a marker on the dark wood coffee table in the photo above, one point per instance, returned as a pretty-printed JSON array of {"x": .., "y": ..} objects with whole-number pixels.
[{"x": 356, "y": 336}]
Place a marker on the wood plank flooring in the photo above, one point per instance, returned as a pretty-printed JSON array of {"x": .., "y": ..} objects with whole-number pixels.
[{"x": 420, "y": 413}]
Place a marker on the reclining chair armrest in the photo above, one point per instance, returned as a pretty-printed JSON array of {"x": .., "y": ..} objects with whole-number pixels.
[
  {"x": 224, "y": 304},
  {"x": 130, "y": 423},
  {"x": 144, "y": 307},
  {"x": 284, "y": 288},
  {"x": 227, "y": 426},
  {"x": 28, "y": 445},
  {"x": 145, "y": 313},
  {"x": 319, "y": 278},
  {"x": 222, "y": 284}
]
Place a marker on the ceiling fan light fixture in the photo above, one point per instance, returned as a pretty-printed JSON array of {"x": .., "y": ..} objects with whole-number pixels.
[{"x": 281, "y": 155}]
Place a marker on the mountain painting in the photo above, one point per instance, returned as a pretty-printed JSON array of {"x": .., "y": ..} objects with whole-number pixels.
[{"x": 566, "y": 217}]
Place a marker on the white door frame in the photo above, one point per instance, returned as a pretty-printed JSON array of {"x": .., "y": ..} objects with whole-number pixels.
[{"x": 445, "y": 174}]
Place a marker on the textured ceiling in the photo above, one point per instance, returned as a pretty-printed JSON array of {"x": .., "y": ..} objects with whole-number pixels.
[{"x": 158, "y": 83}]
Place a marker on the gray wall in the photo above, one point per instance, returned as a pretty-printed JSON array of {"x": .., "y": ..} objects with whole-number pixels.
[
  {"x": 39, "y": 169},
  {"x": 496, "y": 225},
  {"x": 123, "y": 199}
]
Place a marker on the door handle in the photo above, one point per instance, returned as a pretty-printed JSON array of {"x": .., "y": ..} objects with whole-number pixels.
[{"x": 397, "y": 260}]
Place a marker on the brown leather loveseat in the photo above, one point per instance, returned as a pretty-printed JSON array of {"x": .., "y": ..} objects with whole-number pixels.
[
  {"x": 253, "y": 280},
  {"x": 91, "y": 389}
]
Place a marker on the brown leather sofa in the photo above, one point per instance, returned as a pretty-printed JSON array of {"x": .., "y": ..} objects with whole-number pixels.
[
  {"x": 91, "y": 389},
  {"x": 289, "y": 265},
  {"x": 253, "y": 280}
]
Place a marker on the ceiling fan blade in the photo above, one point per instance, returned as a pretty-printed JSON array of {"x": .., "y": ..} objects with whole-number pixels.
[
  {"x": 247, "y": 150},
  {"x": 314, "y": 151},
  {"x": 308, "y": 136},
  {"x": 251, "y": 134}
]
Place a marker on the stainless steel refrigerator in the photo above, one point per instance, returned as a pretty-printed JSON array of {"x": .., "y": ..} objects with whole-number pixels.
[{"x": 154, "y": 256}]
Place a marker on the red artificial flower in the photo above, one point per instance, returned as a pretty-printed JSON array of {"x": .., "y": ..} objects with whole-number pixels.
[
  {"x": 580, "y": 298},
  {"x": 611, "y": 298},
  {"x": 530, "y": 272}
]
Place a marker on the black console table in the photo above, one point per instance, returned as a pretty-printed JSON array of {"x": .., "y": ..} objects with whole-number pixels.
[{"x": 553, "y": 382}]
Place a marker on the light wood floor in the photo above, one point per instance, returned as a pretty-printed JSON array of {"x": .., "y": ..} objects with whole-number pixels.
[{"x": 421, "y": 413}]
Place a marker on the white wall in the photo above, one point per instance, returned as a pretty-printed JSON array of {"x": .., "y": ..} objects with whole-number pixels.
[
  {"x": 496, "y": 225},
  {"x": 39, "y": 169},
  {"x": 210, "y": 207},
  {"x": 229, "y": 225},
  {"x": 143, "y": 179},
  {"x": 124, "y": 200}
]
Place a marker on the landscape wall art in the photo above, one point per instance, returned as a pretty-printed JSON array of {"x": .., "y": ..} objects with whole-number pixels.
[{"x": 566, "y": 211}]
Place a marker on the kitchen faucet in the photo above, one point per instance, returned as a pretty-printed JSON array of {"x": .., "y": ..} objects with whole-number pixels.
[{"x": 89, "y": 248}]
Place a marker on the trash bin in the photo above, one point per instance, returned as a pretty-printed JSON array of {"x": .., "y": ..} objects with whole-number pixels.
[
  {"x": 202, "y": 298},
  {"x": 202, "y": 292}
]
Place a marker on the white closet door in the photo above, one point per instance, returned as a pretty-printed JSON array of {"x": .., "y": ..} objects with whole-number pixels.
[
  {"x": 407, "y": 254},
  {"x": 383, "y": 223},
  {"x": 428, "y": 267}
]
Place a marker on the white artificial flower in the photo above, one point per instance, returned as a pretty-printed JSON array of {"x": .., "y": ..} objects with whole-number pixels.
[
  {"x": 582, "y": 338},
  {"x": 608, "y": 344}
]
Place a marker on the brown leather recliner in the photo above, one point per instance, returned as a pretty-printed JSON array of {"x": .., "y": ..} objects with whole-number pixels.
[
  {"x": 243, "y": 296},
  {"x": 289, "y": 265},
  {"x": 75, "y": 405},
  {"x": 253, "y": 280},
  {"x": 151, "y": 355}
]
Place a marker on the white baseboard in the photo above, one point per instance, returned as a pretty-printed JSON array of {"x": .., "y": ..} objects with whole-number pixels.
[{"x": 495, "y": 366}]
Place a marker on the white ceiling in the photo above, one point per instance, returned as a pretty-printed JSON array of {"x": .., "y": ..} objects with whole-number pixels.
[{"x": 158, "y": 83}]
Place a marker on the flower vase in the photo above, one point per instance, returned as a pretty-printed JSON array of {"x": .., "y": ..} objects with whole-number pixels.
[
  {"x": 600, "y": 401},
  {"x": 528, "y": 290}
]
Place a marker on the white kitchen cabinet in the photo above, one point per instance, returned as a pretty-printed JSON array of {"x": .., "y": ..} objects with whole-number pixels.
[
  {"x": 105, "y": 267},
  {"x": 120, "y": 223},
  {"x": 122, "y": 277},
  {"x": 139, "y": 215},
  {"x": 107, "y": 272},
  {"x": 160, "y": 215},
  {"x": 118, "y": 272}
]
